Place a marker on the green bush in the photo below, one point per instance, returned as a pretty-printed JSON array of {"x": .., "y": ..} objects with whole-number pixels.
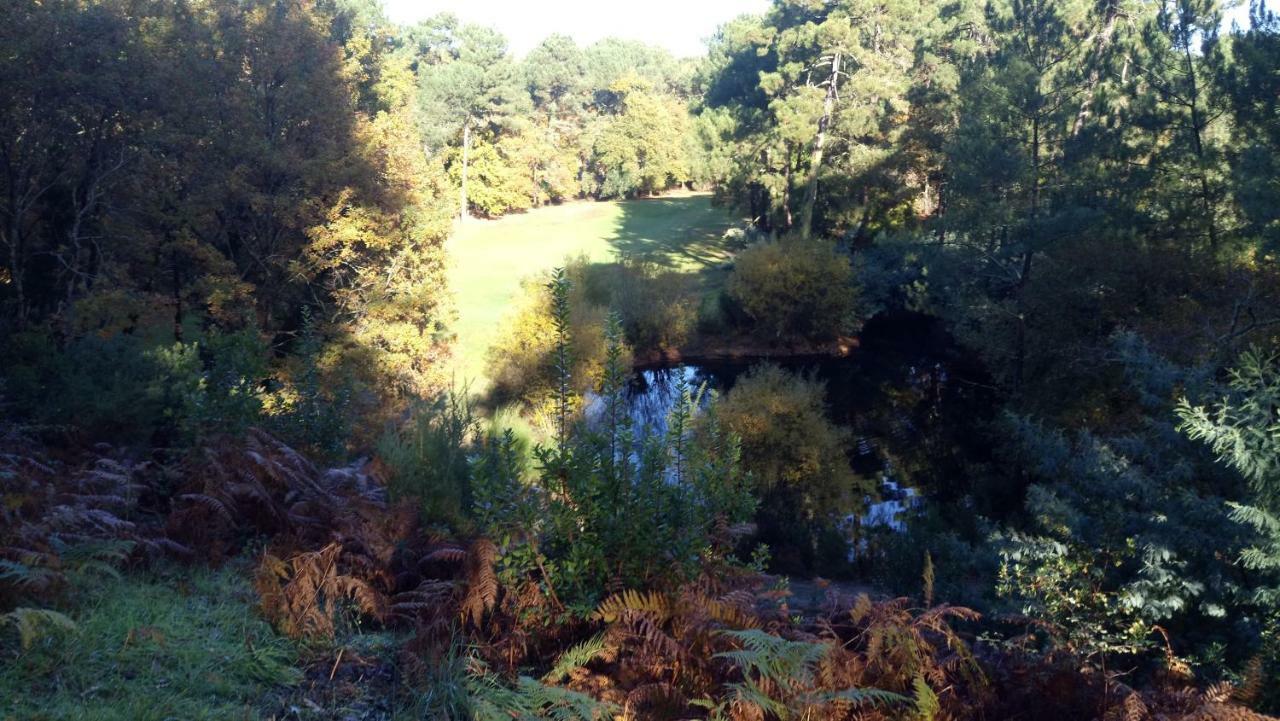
[
  {"x": 607, "y": 506},
  {"x": 521, "y": 361},
  {"x": 125, "y": 387},
  {"x": 795, "y": 289},
  {"x": 427, "y": 459},
  {"x": 658, "y": 307},
  {"x": 798, "y": 458},
  {"x": 313, "y": 411}
]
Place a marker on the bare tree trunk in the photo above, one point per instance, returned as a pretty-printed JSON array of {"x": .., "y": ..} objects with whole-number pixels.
[
  {"x": 786, "y": 189},
  {"x": 466, "y": 159},
  {"x": 14, "y": 241},
  {"x": 815, "y": 158},
  {"x": 1028, "y": 255}
]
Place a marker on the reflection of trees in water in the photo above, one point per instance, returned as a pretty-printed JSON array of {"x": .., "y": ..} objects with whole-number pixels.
[{"x": 653, "y": 394}]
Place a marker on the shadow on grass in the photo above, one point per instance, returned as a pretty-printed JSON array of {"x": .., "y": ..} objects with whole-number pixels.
[{"x": 681, "y": 233}]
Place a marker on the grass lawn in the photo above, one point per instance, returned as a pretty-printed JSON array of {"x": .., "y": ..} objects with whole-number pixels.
[{"x": 490, "y": 257}]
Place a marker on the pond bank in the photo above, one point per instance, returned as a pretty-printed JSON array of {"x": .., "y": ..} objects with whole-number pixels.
[{"x": 731, "y": 350}]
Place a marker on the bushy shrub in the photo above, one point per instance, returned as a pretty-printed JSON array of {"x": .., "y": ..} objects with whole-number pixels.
[
  {"x": 713, "y": 319},
  {"x": 521, "y": 361},
  {"x": 798, "y": 459},
  {"x": 428, "y": 459},
  {"x": 124, "y": 386},
  {"x": 657, "y": 306},
  {"x": 312, "y": 410},
  {"x": 963, "y": 565},
  {"x": 795, "y": 289},
  {"x": 607, "y": 505}
]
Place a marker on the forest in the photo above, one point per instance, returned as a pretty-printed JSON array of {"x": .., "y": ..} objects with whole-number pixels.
[{"x": 890, "y": 360}]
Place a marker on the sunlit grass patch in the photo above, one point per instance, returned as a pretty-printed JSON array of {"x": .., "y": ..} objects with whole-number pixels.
[{"x": 490, "y": 258}]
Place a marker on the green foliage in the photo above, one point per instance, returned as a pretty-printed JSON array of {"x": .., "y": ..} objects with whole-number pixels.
[
  {"x": 1242, "y": 430},
  {"x": 302, "y": 183},
  {"x": 124, "y": 386},
  {"x": 795, "y": 289},
  {"x": 530, "y": 700},
  {"x": 779, "y": 678},
  {"x": 1119, "y": 543},
  {"x": 819, "y": 101},
  {"x": 1070, "y": 592},
  {"x": 33, "y": 624},
  {"x": 640, "y": 150},
  {"x": 316, "y": 407},
  {"x": 577, "y": 657},
  {"x": 655, "y": 303},
  {"x": 144, "y": 648},
  {"x": 525, "y": 362},
  {"x": 609, "y": 504},
  {"x": 428, "y": 459}
]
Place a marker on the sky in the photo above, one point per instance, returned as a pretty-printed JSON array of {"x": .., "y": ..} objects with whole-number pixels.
[
  {"x": 681, "y": 26},
  {"x": 678, "y": 25}
]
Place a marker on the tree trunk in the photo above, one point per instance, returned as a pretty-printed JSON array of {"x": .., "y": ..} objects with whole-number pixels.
[
  {"x": 16, "y": 269},
  {"x": 466, "y": 158},
  {"x": 1197, "y": 130},
  {"x": 815, "y": 158},
  {"x": 789, "y": 159},
  {"x": 1028, "y": 255}
]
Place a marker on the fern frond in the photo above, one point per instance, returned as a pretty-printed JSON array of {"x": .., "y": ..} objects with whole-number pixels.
[
  {"x": 32, "y": 623},
  {"x": 651, "y": 602},
  {"x": 576, "y": 657},
  {"x": 926, "y": 701},
  {"x": 481, "y": 580}
]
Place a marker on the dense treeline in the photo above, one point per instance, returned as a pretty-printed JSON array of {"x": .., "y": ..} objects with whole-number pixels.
[
  {"x": 182, "y": 180},
  {"x": 606, "y": 121},
  {"x": 1086, "y": 193}
]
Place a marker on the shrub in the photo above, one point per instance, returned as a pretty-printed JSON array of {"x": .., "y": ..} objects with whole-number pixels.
[
  {"x": 427, "y": 459},
  {"x": 797, "y": 457},
  {"x": 521, "y": 361},
  {"x": 795, "y": 289},
  {"x": 658, "y": 307},
  {"x": 124, "y": 386},
  {"x": 607, "y": 506},
  {"x": 312, "y": 411}
]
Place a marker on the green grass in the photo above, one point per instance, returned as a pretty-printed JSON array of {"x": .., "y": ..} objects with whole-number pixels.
[
  {"x": 490, "y": 258},
  {"x": 180, "y": 644}
]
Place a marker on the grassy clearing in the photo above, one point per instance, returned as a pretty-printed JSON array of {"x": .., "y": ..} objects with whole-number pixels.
[
  {"x": 181, "y": 643},
  {"x": 491, "y": 258}
]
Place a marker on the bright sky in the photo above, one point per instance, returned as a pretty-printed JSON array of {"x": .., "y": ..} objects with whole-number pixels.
[{"x": 678, "y": 25}]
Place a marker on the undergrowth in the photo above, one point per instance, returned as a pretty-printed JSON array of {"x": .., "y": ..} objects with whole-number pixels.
[{"x": 171, "y": 643}]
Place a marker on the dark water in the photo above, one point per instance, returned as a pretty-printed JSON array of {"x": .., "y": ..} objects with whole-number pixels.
[{"x": 908, "y": 394}]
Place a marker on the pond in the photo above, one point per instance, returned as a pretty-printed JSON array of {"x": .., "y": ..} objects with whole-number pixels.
[{"x": 908, "y": 395}]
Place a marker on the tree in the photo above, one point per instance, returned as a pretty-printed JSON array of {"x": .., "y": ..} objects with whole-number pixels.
[
  {"x": 555, "y": 72},
  {"x": 798, "y": 461},
  {"x": 640, "y": 150},
  {"x": 1242, "y": 430},
  {"x": 477, "y": 88},
  {"x": 831, "y": 83},
  {"x": 1176, "y": 62},
  {"x": 1252, "y": 85}
]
